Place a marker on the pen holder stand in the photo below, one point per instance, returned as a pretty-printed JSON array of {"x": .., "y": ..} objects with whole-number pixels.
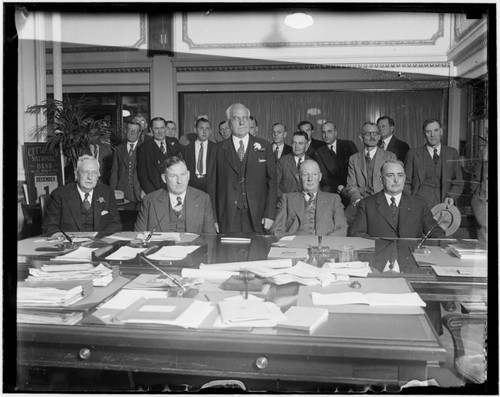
[{"x": 318, "y": 255}]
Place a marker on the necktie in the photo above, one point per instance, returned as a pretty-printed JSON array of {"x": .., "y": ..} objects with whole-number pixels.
[
  {"x": 241, "y": 151},
  {"x": 298, "y": 163},
  {"x": 178, "y": 207},
  {"x": 276, "y": 153},
  {"x": 367, "y": 158},
  {"x": 86, "y": 202},
  {"x": 199, "y": 165},
  {"x": 332, "y": 150},
  {"x": 381, "y": 144},
  {"x": 435, "y": 157},
  {"x": 131, "y": 149},
  {"x": 311, "y": 199},
  {"x": 162, "y": 148},
  {"x": 394, "y": 210}
]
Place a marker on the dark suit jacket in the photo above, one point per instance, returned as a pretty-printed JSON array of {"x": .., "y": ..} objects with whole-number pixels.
[
  {"x": 288, "y": 175},
  {"x": 120, "y": 171},
  {"x": 64, "y": 210},
  {"x": 287, "y": 149},
  {"x": 398, "y": 147},
  {"x": 334, "y": 169},
  {"x": 154, "y": 212},
  {"x": 105, "y": 159},
  {"x": 330, "y": 219},
  {"x": 452, "y": 182},
  {"x": 374, "y": 218},
  {"x": 189, "y": 155},
  {"x": 150, "y": 163},
  {"x": 357, "y": 175},
  {"x": 315, "y": 145},
  {"x": 259, "y": 180}
]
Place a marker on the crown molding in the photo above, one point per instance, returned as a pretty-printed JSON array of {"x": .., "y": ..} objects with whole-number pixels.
[
  {"x": 103, "y": 70},
  {"x": 459, "y": 34},
  {"x": 470, "y": 51},
  {"x": 360, "y": 43},
  {"x": 245, "y": 68}
]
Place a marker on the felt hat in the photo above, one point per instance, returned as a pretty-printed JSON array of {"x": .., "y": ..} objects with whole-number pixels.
[{"x": 449, "y": 218}]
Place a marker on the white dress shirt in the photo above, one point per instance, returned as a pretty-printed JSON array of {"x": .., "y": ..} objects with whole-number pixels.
[
  {"x": 236, "y": 142},
  {"x": 431, "y": 150},
  {"x": 82, "y": 194},
  {"x": 397, "y": 197}
]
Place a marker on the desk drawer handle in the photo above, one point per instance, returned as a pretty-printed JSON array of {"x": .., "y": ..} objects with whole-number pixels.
[
  {"x": 261, "y": 362},
  {"x": 84, "y": 353}
]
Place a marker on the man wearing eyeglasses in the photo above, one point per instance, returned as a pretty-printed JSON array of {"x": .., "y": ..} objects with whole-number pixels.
[
  {"x": 84, "y": 205},
  {"x": 244, "y": 189},
  {"x": 363, "y": 172}
]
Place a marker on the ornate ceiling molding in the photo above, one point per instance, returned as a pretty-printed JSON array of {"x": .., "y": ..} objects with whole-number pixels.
[
  {"x": 103, "y": 70},
  {"x": 470, "y": 51},
  {"x": 89, "y": 49},
  {"x": 245, "y": 68},
  {"x": 460, "y": 34},
  {"x": 362, "y": 43}
]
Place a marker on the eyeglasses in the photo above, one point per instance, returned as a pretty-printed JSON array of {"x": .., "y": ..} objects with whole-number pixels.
[
  {"x": 238, "y": 119},
  {"x": 372, "y": 133},
  {"x": 92, "y": 174}
]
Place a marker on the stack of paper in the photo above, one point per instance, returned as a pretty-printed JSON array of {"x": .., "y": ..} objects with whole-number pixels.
[
  {"x": 468, "y": 251},
  {"x": 78, "y": 255},
  {"x": 100, "y": 275},
  {"x": 173, "y": 252},
  {"x": 304, "y": 318},
  {"x": 164, "y": 236},
  {"x": 356, "y": 269},
  {"x": 248, "y": 313},
  {"x": 159, "y": 282},
  {"x": 125, "y": 253},
  {"x": 48, "y": 296},
  {"x": 301, "y": 273},
  {"x": 283, "y": 252},
  {"x": 372, "y": 299},
  {"x": 46, "y": 317}
]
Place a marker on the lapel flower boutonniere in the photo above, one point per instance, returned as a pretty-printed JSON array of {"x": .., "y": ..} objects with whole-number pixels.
[
  {"x": 101, "y": 200},
  {"x": 257, "y": 147}
]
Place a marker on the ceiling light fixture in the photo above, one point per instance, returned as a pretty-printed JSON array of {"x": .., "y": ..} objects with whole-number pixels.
[{"x": 298, "y": 20}]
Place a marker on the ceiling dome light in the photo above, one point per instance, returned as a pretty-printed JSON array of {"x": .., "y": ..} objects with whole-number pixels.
[{"x": 298, "y": 20}]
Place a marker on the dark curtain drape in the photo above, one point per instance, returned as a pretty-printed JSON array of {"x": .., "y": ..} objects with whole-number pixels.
[{"x": 348, "y": 110}]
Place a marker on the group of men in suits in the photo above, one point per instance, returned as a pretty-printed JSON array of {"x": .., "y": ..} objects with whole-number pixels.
[{"x": 243, "y": 176}]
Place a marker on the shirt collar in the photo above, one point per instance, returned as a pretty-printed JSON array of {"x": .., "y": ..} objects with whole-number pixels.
[
  {"x": 387, "y": 140},
  {"x": 159, "y": 142},
  {"x": 306, "y": 195},
  {"x": 236, "y": 141},
  {"x": 431, "y": 149},
  {"x": 397, "y": 197},
  {"x": 82, "y": 193},
  {"x": 173, "y": 199},
  {"x": 334, "y": 145},
  {"x": 371, "y": 153}
]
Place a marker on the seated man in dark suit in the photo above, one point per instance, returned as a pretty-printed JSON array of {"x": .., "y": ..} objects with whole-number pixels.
[
  {"x": 310, "y": 212},
  {"x": 387, "y": 139},
  {"x": 391, "y": 212},
  {"x": 84, "y": 205},
  {"x": 178, "y": 207}
]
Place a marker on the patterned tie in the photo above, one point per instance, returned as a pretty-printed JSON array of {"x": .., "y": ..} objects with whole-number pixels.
[
  {"x": 241, "y": 151},
  {"x": 178, "y": 207},
  {"x": 298, "y": 163},
  {"x": 131, "y": 149},
  {"x": 367, "y": 158},
  {"x": 199, "y": 165},
  {"x": 394, "y": 210},
  {"x": 435, "y": 157},
  {"x": 162, "y": 148},
  {"x": 86, "y": 202},
  {"x": 310, "y": 202},
  {"x": 381, "y": 144},
  {"x": 276, "y": 156}
]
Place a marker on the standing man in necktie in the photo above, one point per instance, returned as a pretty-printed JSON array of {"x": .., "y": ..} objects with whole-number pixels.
[
  {"x": 310, "y": 211},
  {"x": 244, "y": 189},
  {"x": 314, "y": 144},
  {"x": 280, "y": 148},
  {"x": 177, "y": 207},
  {"x": 387, "y": 139},
  {"x": 152, "y": 154},
  {"x": 433, "y": 171},
  {"x": 333, "y": 160},
  {"x": 84, "y": 205},
  {"x": 392, "y": 212},
  {"x": 198, "y": 155},
  {"x": 124, "y": 168},
  {"x": 288, "y": 165}
]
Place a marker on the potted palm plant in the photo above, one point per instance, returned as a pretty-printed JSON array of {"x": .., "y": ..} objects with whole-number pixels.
[{"x": 70, "y": 130}]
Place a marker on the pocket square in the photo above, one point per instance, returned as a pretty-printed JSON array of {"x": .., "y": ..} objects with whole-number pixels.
[
  {"x": 104, "y": 213},
  {"x": 262, "y": 160}
]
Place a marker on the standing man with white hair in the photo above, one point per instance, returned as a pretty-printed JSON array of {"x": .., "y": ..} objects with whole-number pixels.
[
  {"x": 84, "y": 205},
  {"x": 244, "y": 189}
]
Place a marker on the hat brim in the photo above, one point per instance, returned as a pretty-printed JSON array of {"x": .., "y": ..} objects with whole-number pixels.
[{"x": 450, "y": 218}]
